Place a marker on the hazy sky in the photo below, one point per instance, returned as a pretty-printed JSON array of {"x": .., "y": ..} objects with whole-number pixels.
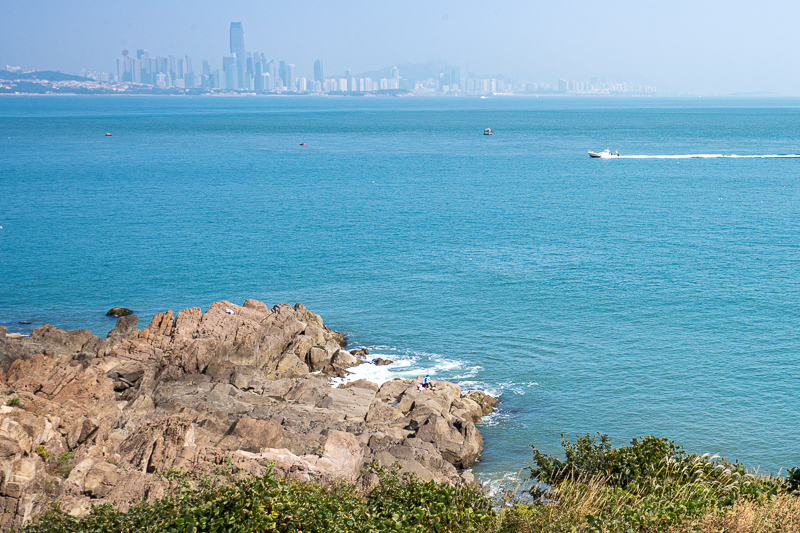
[{"x": 699, "y": 46}]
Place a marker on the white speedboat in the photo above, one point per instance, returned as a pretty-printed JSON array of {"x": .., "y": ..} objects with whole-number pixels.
[
  {"x": 604, "y": 154},
  {"x": 487, "y": 131}
]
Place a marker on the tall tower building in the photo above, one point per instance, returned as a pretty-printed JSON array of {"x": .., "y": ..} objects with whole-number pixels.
[
  {"x": 291, "y": 79},
  {"x": 237, "y": 48},
  {"x": 229, "y": 67},
  {"x": 272, "y": 72},
  {"x": 282, "y": 73},
  {"x": 259, "y": 77},
  {"x": 318, "y": 74}
]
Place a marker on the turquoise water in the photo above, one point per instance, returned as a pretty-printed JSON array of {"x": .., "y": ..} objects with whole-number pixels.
[{"x": 630, "y": 296}]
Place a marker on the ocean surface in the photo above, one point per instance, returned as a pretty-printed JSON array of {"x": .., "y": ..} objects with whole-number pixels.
[{"x": 628, "y": 296}]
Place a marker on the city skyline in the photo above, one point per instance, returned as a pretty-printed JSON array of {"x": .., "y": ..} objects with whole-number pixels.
[
  {"x": 716, "y": 48},
  {"x": 251, "y": 72}
]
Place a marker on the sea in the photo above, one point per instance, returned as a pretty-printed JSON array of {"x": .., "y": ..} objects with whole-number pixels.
[{"x": 628, "y": 296}]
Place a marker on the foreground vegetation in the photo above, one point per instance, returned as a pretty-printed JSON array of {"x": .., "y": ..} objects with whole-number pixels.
[
  {"x": 651, "y": 485},
  {"x": 271, "y": 504}
]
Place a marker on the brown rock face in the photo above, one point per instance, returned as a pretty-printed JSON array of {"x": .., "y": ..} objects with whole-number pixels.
[{"x": 97, "y": 419}]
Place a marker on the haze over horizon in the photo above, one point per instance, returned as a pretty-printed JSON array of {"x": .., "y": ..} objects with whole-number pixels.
[{"x": 682, "y": 47}]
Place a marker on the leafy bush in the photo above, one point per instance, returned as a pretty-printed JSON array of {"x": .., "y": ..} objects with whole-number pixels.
[
  {"x": 64, "y": 465},
  {"x": 41, "y": 451},
  {"x": 650, "y": 485},
  {"x": 793, "y": 479},
  {"x": 12, "y": 402}
]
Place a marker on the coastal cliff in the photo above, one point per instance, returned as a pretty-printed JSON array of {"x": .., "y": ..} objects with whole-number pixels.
[{"x": 87, "y": 421}]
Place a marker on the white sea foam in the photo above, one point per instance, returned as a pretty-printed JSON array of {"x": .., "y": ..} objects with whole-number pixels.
[
  {"x": 400, "y": 368},
  {"x": 511, "y": 484},
  {"x": 409, "y": 364},
  {"x": 496, "y": 417},
  {"x": 703, "y": 156}
]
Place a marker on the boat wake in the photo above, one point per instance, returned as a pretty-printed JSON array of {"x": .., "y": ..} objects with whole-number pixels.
[{"x": 702, "y": 156}]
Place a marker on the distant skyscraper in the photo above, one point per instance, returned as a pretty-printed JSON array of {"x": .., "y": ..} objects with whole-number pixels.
[
  {"x": 318, "y": 74},
  {"x": 249, "y": 76},
  {"x": 237, "y": 48},
  {"x": 291, "y": 79},
  {"x": 270, "y": 71},
  {"x": 395, "y": 73},
  {"x": 259, "y": 77},
  {"x": 282, "y": 72},
  {"x": 229, "y": 67}
]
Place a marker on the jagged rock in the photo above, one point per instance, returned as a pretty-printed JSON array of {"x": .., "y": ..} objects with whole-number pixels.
[
  {"x": 317, "y": 358},
  {"x": 460, "y": 445},
  {"x": 119, "y": 311},
  {"x": 360, "y": 352},
  {"x": 193, "y": 390},
  {"x": 291, "y": 367},
  {"x": 48, "y": 340},
  {"x": 125, "y": 329},
  {"x": 258, "y": 434},
  {"x": 155, "y": 447},
  {"x": 382, "y": 362},
  {"x": 363, "y": 383},
  {"x": 466, "y": 409},
  {"x": 342, "y": 454},
  {"x": 19, "y": 476},
  {"x": 486, "y": 402},
  {"x": 100, "y": 480},
  {"x": 343, "y": 359}
]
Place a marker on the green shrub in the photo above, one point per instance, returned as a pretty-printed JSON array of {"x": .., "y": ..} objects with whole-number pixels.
[
  {"x": 12, "y": 402},
  {"x": 650, "y": 485},
  {"x": 64, "y": 465},
  {"x": 41, "y": 451},
  {"x": 793, "y": 479}
]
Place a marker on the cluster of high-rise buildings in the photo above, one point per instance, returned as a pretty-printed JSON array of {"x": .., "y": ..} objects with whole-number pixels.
[
  {"x": 241, "y": 71},
  {"x": 252, "y": 72}
]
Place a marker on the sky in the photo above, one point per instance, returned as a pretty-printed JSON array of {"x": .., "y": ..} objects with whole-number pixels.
[{"x": 711, "y": 47}]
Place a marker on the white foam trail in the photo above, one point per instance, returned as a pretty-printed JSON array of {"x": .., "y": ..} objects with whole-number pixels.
[{"x": 703, "y": 156}]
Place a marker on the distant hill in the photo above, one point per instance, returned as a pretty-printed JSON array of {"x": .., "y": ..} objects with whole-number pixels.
[
  {"x": 411, "y": 71},
  {"x": 48, "y": 75},
  {"x": 757, "y": 94}
]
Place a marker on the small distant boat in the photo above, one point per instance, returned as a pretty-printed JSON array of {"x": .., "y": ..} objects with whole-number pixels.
[
  {"x": 108, "y": 135},
  {"x": 302, "y": 144},
  {"x": 604, "y": 154},
  {"x": 487, "y": 131}
]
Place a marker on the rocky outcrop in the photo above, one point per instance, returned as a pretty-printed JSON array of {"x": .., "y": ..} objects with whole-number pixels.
[
  {"x": 119, "y": 311},
  {"x": 88, "y": 421}
]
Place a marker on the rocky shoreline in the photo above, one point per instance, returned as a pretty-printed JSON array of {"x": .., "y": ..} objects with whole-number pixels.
[{"x": 87, "y": 421}]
